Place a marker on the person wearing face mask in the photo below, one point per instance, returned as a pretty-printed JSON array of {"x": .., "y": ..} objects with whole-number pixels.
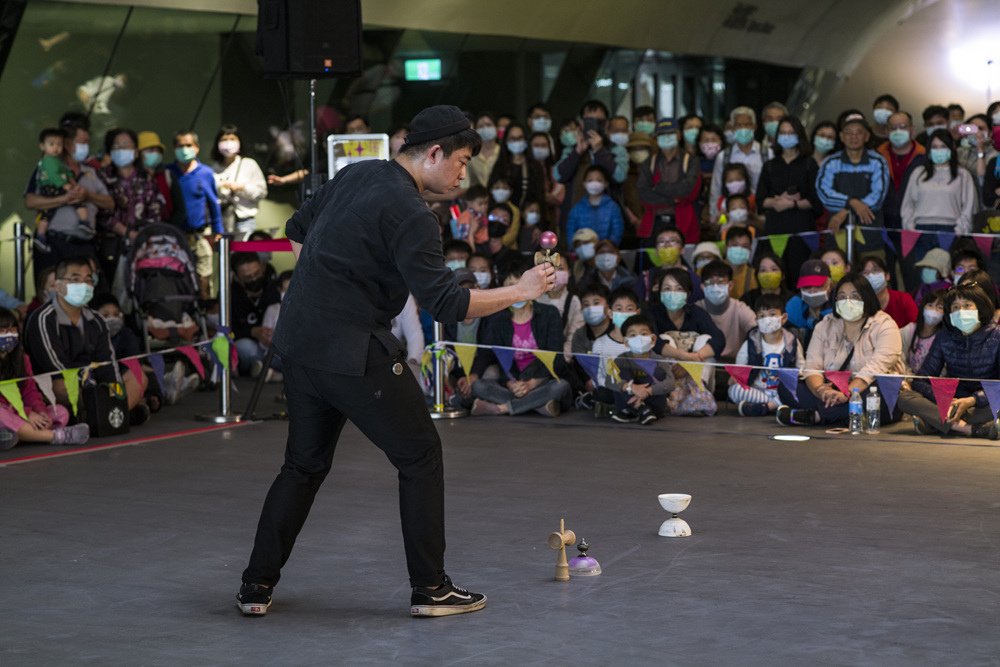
[
  {"x": 618, "y": 140},
  {"x": 703, "y": 253},
  {"x": 940, "y": 196},
  {"x": 36, "y": 421},
  {"x": 739, "y": 244},
  {"x": 196, "y": 209},
  {"x": 543, "y": 153},
  {"x": 68, "y": 235},
  {"x": 812, "y": 303},
  {"x": 481, "y": 266},
  {"x": 771, "y": 279},
  {"x": 608, "y": 268},
  {"x": 138, "y": 200},
  {"x": 584, "y": 244},
  {"x": 919, "y": 336},
  {"x": 481, "y": 165},
  {"x": 935, "y": 117},
  {"x": 640, "y": 148},
  {"x": 976, "y": 150},
  {"x": 899, "y": 305},
  {"x": 675, "y": 313},
  {"x": 771, "y": 345},
  {"x": 124, "y": 340},
  {"x": 151, "y": 151},
  {"x": 858, "y": 337},
  {"x": 668, "y": 185},
  {"x": 824, "y": 140},
  {"x": 935, "y": 273},
  {"x": 534, "y": 223},
  {"x": 882, "y": 109},
  {"x": 903, "y": 156},
  {"x": 598, "y": 332},
  {"x": 644, "y": 120},
  {"x": 770, "y": 116},
  {"x": 598, "y": 211},
  {"x": 500, "y": 195},
  {"x": 591, "y": 149},
  {"x": 469, "y": 331},
  {"x": 540, "y": 119},
  {"x": 239, "y": 180},
  {"x": 968, "y": 346},
  {"x": 710, "y": 143},
  {"x": 526, "y": 385},
  {"x": 735, "y": 181},
  {"x": 690, "y": 125},
  {"x": 67, "y": 333},
  {"x": 743, "y": 149},
  {"x": 642, "y": 385},
  {"x": 523, "y": 175},
  {"x": 733, "y": 318},
  {"x": 498, "y": 228},
  {"x": 252, "y": 293},
  {"x": 569, "y": 307}
]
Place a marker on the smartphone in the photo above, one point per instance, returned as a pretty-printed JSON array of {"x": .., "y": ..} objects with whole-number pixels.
[
  {"x": 591, "y": 125},
  {"x": 954, "y": 406},
  {"x": 967, "y": 129}
]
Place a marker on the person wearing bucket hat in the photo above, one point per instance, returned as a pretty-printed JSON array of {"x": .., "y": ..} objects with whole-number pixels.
[
  {"x": 668, "y": 186},
  {"x": 935, "y": 273},
  {"x": 640, "y": 147},
  {"x": 364, "y": 242},
  {"x": 151, "y": 151}
]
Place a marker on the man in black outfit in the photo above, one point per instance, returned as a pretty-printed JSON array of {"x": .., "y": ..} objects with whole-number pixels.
[{"x": 363, "y": 242}]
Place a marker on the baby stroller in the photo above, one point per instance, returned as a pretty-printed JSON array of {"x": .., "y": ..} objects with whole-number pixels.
[{"x": 163, "y": 285}]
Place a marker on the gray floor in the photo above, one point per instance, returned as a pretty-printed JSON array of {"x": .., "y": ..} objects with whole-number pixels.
[{"x": 835, "y": 551}]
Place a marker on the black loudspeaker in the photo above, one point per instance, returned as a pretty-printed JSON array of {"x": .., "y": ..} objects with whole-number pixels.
[
  {"x": 309, "y": 39},
  {"x": 11, "y": 12}
]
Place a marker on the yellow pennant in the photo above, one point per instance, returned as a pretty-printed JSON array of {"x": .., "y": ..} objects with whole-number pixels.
[
  {"x": 858, "y": 236},
  {"x": 12, "y": 393},
  {"x": 548, "y": 359},
  {"x": 71, "y": 377},
  {"x": 466, "y": 355},
  {"x": 694, "y": 370},
  {"x": 613, "y": 371}
]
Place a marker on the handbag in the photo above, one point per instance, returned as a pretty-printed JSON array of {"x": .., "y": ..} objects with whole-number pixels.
[{"x": 105, "y": 409}]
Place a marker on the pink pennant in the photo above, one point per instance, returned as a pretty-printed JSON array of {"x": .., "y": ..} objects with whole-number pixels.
[
  {"x": 944, "y": 390},
  {"x": 741, "y": 374},
  {"x": 985, "y": 243},
  {"x": 192, "y": 355},
  {"x": 840, "y": 379},
  {"x": 135, "y": 368},
  {"x": 908, "y": 238}
]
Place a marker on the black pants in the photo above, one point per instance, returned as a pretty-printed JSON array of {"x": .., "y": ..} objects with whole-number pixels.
[
  {"x": 390, "y": 410},
  {"x": 838, "y": 414}
]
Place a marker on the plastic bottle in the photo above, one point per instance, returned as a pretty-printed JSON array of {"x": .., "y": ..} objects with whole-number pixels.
[
  {"x": 873, "y": 410},
  {"x": 855, "y": 410}
]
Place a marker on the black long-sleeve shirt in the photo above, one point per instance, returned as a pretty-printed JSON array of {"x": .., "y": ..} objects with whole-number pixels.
[
  {"x": 777, "y": 177},
  {"x": 368, "y": 240}
]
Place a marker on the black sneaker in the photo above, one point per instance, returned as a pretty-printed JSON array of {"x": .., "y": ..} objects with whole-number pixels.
[
  {"x": 139, "y": 415},
  {"x": 646, "y": 415},
  {"x": 585, "y": 401},
  {"x": 254, "y": 599},
  {"x": 749, "y": 409},
  {"x": 787, "y": 416},
  {"x": 8, "y": 439},
  {"x": 626, "y": 416},
  {"x": 447, "y": 600},
  {"x": 989, "y": 430}
]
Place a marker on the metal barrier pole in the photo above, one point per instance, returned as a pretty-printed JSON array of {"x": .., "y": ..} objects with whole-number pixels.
[
  {"x": 440, "y": 411},
  {"x": 850, "y": 239},
  {"x": 19, "y": 261},
  {"x": 224, "y": 415}
]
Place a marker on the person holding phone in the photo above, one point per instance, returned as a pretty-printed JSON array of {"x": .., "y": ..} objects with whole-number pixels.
[{"x": 591, "y": 149}]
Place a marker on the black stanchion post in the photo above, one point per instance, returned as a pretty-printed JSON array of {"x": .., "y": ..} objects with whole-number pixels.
[{"x": 19, "y": 260}]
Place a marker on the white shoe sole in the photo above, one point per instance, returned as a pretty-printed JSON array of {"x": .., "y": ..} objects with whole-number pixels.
[
  {"x": 255, "y": 609},
  {"x": 433, "y": 610}
]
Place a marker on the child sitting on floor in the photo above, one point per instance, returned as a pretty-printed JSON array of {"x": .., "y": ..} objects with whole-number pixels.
[
  {"x": 640, "y": 389},
  {"x": 770, "y": 345}
]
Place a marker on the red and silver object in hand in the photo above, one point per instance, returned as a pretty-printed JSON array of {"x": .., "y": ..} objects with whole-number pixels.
[{"x": 548, "y": 242}]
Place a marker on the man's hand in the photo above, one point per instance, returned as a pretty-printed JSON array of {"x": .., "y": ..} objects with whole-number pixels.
[
  {"x": 537, "y": 281},
  {"x": 837, "y": 220},
  {"x": 594, "y": 140},
  {"x": 959, "y": 407},
  {"x": 641, "y": 391},
  {"x": 861, "y": 210}
]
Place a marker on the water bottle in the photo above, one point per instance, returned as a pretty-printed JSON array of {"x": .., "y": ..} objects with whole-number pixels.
[
  {"x": 855, "y": 410},
  {"x": 873, "y": 410}
]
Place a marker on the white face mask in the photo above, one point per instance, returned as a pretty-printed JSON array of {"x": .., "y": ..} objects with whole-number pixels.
[
  {"x": 585, "y": 251},
  {"x": 500, "y": 195},
  {"x": 933, "y": 317},
  {"x": 540, "y": 152},
  {"x": 487, "y": 133},
  {"x": 482, "y": 278},
  {"x": 768, "y": 325},
  {"x": 517, "y": 146},
  {"x": 532, "y": 217},
  {"x": 229, "y": 148},
  {"x": 851, "y": 310},
  {"x": 619, "y": 138},
  {"x": 640, "y": 344},
  {"x": 541, "y": 124},
  {"x": 594, "y": 187}
]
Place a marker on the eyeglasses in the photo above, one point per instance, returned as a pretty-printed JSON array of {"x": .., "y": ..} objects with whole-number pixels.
[{"x": 77, "y": 279}]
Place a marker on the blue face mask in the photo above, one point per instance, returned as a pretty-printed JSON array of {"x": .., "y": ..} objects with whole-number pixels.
[
  {"x": 81, "y": 152},
  {"x": 122, "y": 157},
  {"x": 8, "y": 341},
  {"x": 79, "y": 294},
  {"x": 743, "y": 136},
  {"x": 716, "y": 294},
  {"x": 185, "y": 153},
  {"x": 593, "y": 315},
  {"x": 619, "y": 318},
  {"x": 929, "y": 276},
  {"x": 673, "y": 301},
  {"x": 788, "y": 140},
  {"x": 899, "y": 138},
  {"x": 455, "y": 264},
  {"x": 667, "y": 141},
  {"x": 606, "y": 261},
  {"x": 881, "y": 115},
  {"x": 737, "y": 255},
  {"x": 771, "y": 128},
  {"x": 965, "y": 321},
  {"x": 518, "y": 305},
  {"x": 940, "y": 155},
  {"x": 152, "y": 159},
  {"x": 691, "y": 135},
  {"x": 823, "y": 145}
]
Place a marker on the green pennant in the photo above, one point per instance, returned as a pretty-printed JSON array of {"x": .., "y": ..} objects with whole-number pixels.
[
  {"x": 779, "y": 242},
  {"x": 221, "y": 346},
  {"x": 71, "y": 377},
  {"x": 12, "y": 393},
  {"x": 654, "y": 257}
]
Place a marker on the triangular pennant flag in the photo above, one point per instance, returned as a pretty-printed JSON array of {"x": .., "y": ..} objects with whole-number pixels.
[
  {"x": 44, "y": 384},
  {"x": 505, "y": 357},
  {"x": 992, "y": 391},
  {"x": 195, "y": 359},
  {"x": 944, "y": 390},
  {"x": 648, "y": 365},
  {"x": 778, "y": 243},
  {"x": 220, "y": 345},
  {"x": 134, "y": 366},
  {"x": 71, "y": 378},
  {"x": 888, "y": 242},
  {"x": 741, "y": 374},
  {"x": 12, "y": 393},
  {"x": 590, "y": 364},
  {"x": 216, "y": 362},
  {"x": 907, "y": 239},
  {"x": 841, "y": 380},
  {"x": 548, "y": 359},
  {"x": 613, "y": 371},
  {"x": 789, "y": 377},
  {"x": 466, "y": 355},
  {"x": 694, "y": 370},
  {"x": 859, "y": 236},
  {"x": 840, "y": 237},
  {"x": 985, "y": 243},
  {"x": 811, "y": 239},
  {"x": 159, "y": 368},
  {"x": 654, "y": 257},
  {"x": 945, "y": 239},
  {"x": 889, "y": 386}
]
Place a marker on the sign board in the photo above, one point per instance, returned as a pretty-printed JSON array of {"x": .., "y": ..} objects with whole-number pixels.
[
  {"x": 428, "y": 69},
  {"x": 345, "y": 149}
]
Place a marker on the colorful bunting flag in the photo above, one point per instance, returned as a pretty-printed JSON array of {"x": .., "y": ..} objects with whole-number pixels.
[
  {"x": 648, "y": 365},
  {"x": 992, "y": 391},
  {"x": 841, "y": 380},
  {"x": 944, "y": 390},
  {"x": 12, "y": 393},
  {"x": 548, "y": 359},
  {"x": 505, "y": 357},
  {"x": 195, "y": 359},
  {"x": 159, "y": 368},
  {"x": 907, "y": 239},
  {"x": 945, "y": 239},
  {"x": 466, "y": 355},
  {"x": 220, "y": 346},
  {"x": 741, "y": 374},
  {"x": 590, "y": 363},
  {"x": 779, "y": 242},
  {"x": 71, "y": 378},
  {"x": 789, "y": 377},
  {"x": 654, "y": 257},
  {"x": 888, "y": 242},
  {"x": 694, "y": 370},
  {"x": 889, "y": 386},
  {"x": 859, "y": 236},
  {"x": 135, "y": 367},
  {"x": 811, "y": 239},
  {"x": 840, "y": 237},
  {"x": 985, "y": 244}
]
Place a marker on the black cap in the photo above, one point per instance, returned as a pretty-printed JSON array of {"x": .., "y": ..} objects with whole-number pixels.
[{"x": 436, "y": 122}]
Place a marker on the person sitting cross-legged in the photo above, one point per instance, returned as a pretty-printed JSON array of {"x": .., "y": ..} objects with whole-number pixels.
[{"x": 640, "y": 393}]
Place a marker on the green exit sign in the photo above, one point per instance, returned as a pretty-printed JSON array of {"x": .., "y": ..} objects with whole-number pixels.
[{"x": 428, "y": 69}]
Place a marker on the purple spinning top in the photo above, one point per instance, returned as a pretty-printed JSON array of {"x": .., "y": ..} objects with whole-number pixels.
[{"x": 548, "y": 240}]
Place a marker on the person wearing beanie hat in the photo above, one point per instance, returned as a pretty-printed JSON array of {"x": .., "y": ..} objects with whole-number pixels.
[{"x": 365, "y": 241}]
